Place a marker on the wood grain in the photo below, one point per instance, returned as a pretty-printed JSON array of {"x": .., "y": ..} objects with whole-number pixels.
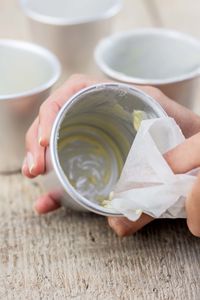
[{"x": 67, "y": 255}]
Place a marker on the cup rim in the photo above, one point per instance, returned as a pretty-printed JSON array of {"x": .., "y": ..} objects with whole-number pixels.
[
  {"x": 55, "y": 133},
  {"x": 36, "y": 50},
  {"x": 112, "y": 11},
  {"x": 105, "y": 43}
]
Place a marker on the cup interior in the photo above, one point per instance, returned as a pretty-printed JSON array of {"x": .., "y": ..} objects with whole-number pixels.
[
  {"x": 25, "y": 69},
  {"x": 70, "y": 11},
  {"x": 149, "y": 56},
  {"x": 94, "y": 135}
]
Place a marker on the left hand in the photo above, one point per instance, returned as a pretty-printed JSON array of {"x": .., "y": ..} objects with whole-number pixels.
[{"x": 183, "y": 158}]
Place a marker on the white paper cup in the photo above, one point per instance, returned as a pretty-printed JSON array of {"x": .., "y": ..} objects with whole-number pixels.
[
  {"x": 27, "y": 74},
  {"x": 70, "y": 28},
  {"x": 163, "y": 58}
]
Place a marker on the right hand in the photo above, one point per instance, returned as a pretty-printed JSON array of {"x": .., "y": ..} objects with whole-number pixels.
[{"x": 38, "y": 135}]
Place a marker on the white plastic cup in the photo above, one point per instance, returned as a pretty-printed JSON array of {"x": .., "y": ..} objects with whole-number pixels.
[
  {"x": 70, "y": 28},
  {"x": 27, "y": 74},
  {"x": 162, "y": 58}
]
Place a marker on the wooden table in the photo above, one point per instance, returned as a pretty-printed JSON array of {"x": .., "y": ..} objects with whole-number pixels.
[{"x": 67, "y": 255}]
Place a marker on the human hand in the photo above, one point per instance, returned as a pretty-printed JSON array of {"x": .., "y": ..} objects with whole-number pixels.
[
  {"x": 181, "y": 159},
  {"x": 37, "y": 139},
  {"x": 38, "y": 135}
]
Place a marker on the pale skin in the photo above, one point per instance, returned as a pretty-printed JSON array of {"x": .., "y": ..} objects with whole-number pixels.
[{"x": 181, "y": 159}]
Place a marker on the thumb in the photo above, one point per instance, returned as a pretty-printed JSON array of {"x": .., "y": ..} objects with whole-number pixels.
[
  {"x": 181, "y": 159},
  {"x": 192, "y": 206},
  {"x": 186, "y": 156}
]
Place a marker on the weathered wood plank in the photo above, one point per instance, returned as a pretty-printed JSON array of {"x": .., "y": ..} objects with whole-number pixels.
[{"x": 67, "y": 255}]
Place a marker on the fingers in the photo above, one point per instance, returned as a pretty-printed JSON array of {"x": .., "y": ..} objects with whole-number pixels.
[
  {"x": 37, "y": 137},
  {"x": 34, "y": 162},
  {"x": 46, "y": 204},
  {"x": 124, "y": 227},
  {"x": 185, "y": 156},
  {"x": 50, "y": 108},
  {"x": 193, "y": 209},
  {"x": 182, "y": 159},
  {"x": 188, "y": 121}
]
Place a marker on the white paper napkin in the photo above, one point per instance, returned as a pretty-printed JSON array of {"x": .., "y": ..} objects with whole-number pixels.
[{"x": 147, "y": 183}]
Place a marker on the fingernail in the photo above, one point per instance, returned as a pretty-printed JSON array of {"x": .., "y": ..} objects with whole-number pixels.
[
  {"x": 30, "y": 162},
  {"x": 40, "y": 136}
]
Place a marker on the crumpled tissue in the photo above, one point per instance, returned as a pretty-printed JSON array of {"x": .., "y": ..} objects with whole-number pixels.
[{"x": 147, "y": 183}]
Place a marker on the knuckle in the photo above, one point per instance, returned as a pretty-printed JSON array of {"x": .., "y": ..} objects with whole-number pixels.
[
  {"x": 121, "y": 232},
  {"x": 154, "y": 92},
  {"x": 79, "y": 81},
  {"x": 50, "y": 106},
  {"x": 54, "y": 107},
  {"x": 39, "y": 164},
  {"x": 77, "y": 77},
  {"x": 118, "y": 228}
]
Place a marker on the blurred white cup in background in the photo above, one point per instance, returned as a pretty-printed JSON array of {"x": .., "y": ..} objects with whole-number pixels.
[
  {"x": 27, "y": 75},
  {"x": 70, "y": 28},
  {"x": 162, "y": 58}
]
